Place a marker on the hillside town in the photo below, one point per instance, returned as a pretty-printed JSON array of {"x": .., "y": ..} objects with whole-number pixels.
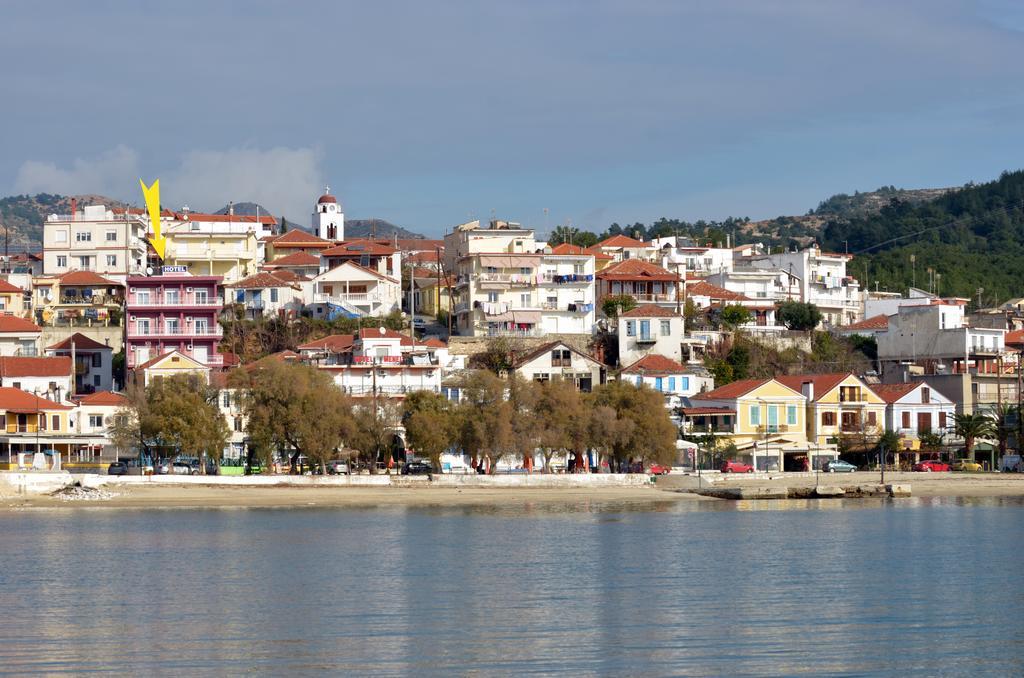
[{"x": 96, "y": 316}]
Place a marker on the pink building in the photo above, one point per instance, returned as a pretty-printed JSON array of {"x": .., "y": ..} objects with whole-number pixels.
[{"x": 173, "y": 311}]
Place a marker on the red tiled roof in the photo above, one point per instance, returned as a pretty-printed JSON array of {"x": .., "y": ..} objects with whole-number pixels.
[
  {"x": 294, "y": 259},
  {"x": 261, "y": 280},
  {"x": 16, "y": 400},
  {"x": 358, "y": 247},
  {"x": 335, "y": 343},
  {"x": 104, "y": 398},
  {"x": 225, "y": 218},
  {"x": 636, "y": 269},
  {"x": 8, "y": 288},
  {"x": 82, "y": 343},
  {"x": 364, "y": 268},
  {"x": 1014, "y": 337},
  {"x": 86, "y": 278},
  {"x": 544, "y": 348},
  {"x": 823, "y": 383},
  {"x": 299, "y": 238},
  {"x": 734, "y": 390},
  {"x": 435, "y": 343},
  {"x": 18, "y": 366},
  {"x": 566, "y": 248},
  {"x": 890, "y": 393},
  {"x": 622, "y": 241},
  {"x": 375, "y": 333},
  {"x": 12, "y": 324},
  {"x": 649, "y": 311},
  {"x": 875, "y": 322},
  {"x": 655, "y": 363},
  {"x": 706, "y": 289},
  {"x": 326, "y": 197},
  {"x": 421, "y": 245}
]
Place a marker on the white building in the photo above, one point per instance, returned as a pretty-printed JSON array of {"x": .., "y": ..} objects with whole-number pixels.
[
  {"x": 649, "y": 329},
  {"x": 821, "y": 279},
  {"x": 670, "y": 378},
  {"x": 92, "y": 419},
  {"x": 354, "y": 290},
  {"x": 914, "y": 408},
  {"x": 266, "y": 294},
  {"x": 94, "y": 367},
  {"x": 46, "y": 377},
  {"x": 329, "y": 217},
  {"x": 109, "y": 242},
  {"x": 18, "y": 336},
  {"x": 559, "y": 360}
]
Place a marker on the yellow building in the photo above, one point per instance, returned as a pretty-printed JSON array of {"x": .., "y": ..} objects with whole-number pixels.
[
  {"x": 764, "y": 419},
  {"x": 34, "y": 424},
  {"x": 840, "y": 407},
  {"x": 13, "y": 300}
]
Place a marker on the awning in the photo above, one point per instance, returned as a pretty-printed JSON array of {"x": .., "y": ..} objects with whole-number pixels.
[
  {"x": 509, "y": 260},
  {"x": 527, "y": 317}
]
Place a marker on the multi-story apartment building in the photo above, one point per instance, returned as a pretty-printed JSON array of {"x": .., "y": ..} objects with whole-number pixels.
[
  {"x": 647, "y": 283},
  {"x": 109, "y": 242},
  {"x": 226, "y": 246},
  {"x": 173, "y": 311},
  {"x": 505, "y": 284},
  {"x": 820, "y": 278},
  {"x": 93, "y": 362}
]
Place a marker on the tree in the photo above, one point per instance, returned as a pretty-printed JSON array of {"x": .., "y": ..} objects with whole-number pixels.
[
  {"x": 484, "y": 418},
  {"x": 888, "y": 441},
  {"x": 692, "y": 315},
  {"x": 734, "y": 315},
  {"x": 429, "y": 424},
  {"x": 295, "y": 407},
  {"x": 559, "y": 419},
  {"x": 376, "y": 422},
  {"x": 649, "y": 434},
  {"x": 498, "y": 355},
  {"x": 798, "y": 315},
  {"x": 930, "y": 442},
  {"x": 970, "y": 427},
  {"x": 615, "y": 304},
  {"x": 1004, "y": 421}
]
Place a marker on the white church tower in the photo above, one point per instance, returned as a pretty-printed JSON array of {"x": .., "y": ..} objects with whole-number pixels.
[{"x": 328, "y": 219}]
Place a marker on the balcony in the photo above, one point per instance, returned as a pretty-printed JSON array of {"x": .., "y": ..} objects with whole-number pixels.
[
  {"x": 180, "y": 301},
  {"x": 646, "y": 339},
  {"x": 652, "y": 298},
  {"x": 211, "y": 360},
  {"x": 358, "y": 299},
  {"x": 566, "y": 279},
  {"x": 513, "y": 279},
  {"x": 152, "y": 331}
]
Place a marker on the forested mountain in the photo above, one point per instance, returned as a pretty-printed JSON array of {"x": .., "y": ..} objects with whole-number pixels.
[
  {"x": 24, "y": 214},
  {"x": 972, "y": 237}
]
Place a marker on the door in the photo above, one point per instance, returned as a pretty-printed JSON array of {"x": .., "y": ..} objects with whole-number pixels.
[
  {"x": 924, "y": 422},
  {"x": 773, "y": 418}
]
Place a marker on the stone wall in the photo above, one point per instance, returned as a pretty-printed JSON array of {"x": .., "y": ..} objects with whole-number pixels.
[
  {"x": 472, "y": 345},
  {"x": 113, "y": 336}
]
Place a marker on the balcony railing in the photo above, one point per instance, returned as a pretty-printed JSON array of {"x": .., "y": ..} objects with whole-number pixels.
[
  {"x": 388, "y": 390},
  {"x": 212, "y": 360},
  {"x": 491, "y": 332},
  {"x": 566, "y": 278},
  {"x": 362, "y": 298},
  {"x": 652, "y": 297},
  {"x": 163, "y": 301},
  {"x": 508, "y": 279},
  {"x": 165, "y": 331}
]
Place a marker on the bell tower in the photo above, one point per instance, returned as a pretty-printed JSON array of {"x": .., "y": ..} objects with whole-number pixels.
[{"x": 328, "y": 219}]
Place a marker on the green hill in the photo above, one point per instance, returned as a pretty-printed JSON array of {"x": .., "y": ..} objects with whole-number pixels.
[
  {"x": 972, "y": 237},
  {"x": 24, "y": 214}
]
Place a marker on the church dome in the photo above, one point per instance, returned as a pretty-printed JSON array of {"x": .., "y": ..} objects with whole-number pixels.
[{"x": 325, "y": 198}]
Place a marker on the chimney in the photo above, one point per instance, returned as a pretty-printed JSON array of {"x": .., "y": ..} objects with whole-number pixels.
[
  {"x": 807, "y": 388},
  {"x": 231, "y": 208}
]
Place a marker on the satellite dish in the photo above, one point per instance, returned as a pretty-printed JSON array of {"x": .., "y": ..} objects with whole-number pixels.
[
  {"x": 49, "y": 296},
  {"x": 383, "y": 331},
  {"x": 149, "y": 270}
]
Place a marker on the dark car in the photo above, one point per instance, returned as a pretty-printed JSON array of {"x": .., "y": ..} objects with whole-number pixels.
[
  {"x": 118, "y": 468},
  {"x": 417, "y": 468}
]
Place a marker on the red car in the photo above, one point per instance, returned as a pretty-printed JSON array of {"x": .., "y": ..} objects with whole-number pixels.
[
  {"x": 736, "y": 467},
  {"x": 659, "y": 470},
  {"x": 931, "y": 465}
]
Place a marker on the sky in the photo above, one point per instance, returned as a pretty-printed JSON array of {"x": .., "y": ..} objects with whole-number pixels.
[{"x": 538, "y": 111}]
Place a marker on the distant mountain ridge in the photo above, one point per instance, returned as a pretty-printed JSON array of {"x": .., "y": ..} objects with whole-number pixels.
[
  {"x": 24, "y": 215},
  {"x": 365, "y": 228}
]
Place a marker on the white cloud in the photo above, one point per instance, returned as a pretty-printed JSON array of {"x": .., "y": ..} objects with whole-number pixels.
[
  {"x": 106, "y": 174},
  {"x": 284, "y": 180}
]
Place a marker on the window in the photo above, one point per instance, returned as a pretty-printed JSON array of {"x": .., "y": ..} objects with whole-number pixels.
[
  {"x": 111, "y": 260},
  {"x": 828, "y": 418},
  {"x": 561, "y": 357},
  {"x": 95, "y": 420},
  {"x": 872, "y": 419},
  {"x": 906, "y": 420},
  {"x": 238, "y": 424},
  {"x": 172, "y": 296},
  {"x": 639, "y": 381},
  {"x": 686, "y": 383},
  {"x": 62, "y": 261},
  {"x": 56, "y": 422},
  {"x": 672, "y": 384},
  {"x": 579, "y": 269},
  {"x": 755, "y": 415},
  {"x": 53, "y": 387},
  {"x": 225, "y": 399},
  {"x": 95, "y": 380},
  {"x": 172, "y": 326},
  {"x": 791, "y": 415},
  {"x": 60, "y": 236},
  {"x": 16, "y": 384},
  {"x": 492, "y": 297},
  {"x": 942, "y": 420},
  {"x": 142, "y": 326},
  {"x": 645, "y": 329},
  {"x": 666, "y": 328},
  {"x": 926, "y": 395},
  {"x": 142, "y": 297},
  {"x": 111, "y": 236},
  {"x": 42, "y": 421},
  {"x": 541, "y": 376},
  {"x": 273, "y": 295},
  {"x": 97, "y": 359},
  {"x": 524, "y": 300},
  {"x": 83, "y": 236},
  {"x": 202, "y": 296},
  {"x": 658, "y": 384},
  {"x": 630, "y": 328},
  {"x": 525, "y": 270}
]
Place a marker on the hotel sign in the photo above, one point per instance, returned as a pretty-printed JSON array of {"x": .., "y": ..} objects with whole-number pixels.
[{"x": 164, "y": 270}]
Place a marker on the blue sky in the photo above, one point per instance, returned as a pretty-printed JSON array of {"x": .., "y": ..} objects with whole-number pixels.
[{"x": 427, "y": 114}]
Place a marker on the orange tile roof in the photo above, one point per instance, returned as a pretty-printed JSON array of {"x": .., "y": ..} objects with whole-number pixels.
[
  {"x": 706, "y": 289},
  {"x": 299, "y": 238},
  {"x": 890, "y": 393},
  {"x": 655, "y": 363},
  {"x": 104, "y": 398},
  {"x": 225, "y": 218},
  {"x": 566, "y": 248},
  {"x": 823, "y": 383},
  {"x": 12, "y": 324},
  {"x": 295, "y": 259},
  {"x": 636, "y": 269},
  {"x": 622, "y": 241},
  {"x": 875, "y": 322},
  {"x": 261, "y": 280},
  {"x": 18, "y": 366},
  {"x": 1014, "y": 337},
  {"x": 335, "y": 343},
  {"x": 16, "y": 400},
  {"x": 358, "y": 247},
  {"x": 82, "y": 343},
  {"x": 375, "y": 333},
  {"x": 649, "y": 311},
  {"x": 734, "y": 390},
  {"x": 8, "y": 288},
  {"x": 86, "y": 278},
  {"x": 365, "y": 269}
]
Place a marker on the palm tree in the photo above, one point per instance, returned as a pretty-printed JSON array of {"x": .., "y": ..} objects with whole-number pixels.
[
  {"x": 1004, "y": 420},
  {"x": 888, "y": 441},
  {"x": 971, "y": 427}
]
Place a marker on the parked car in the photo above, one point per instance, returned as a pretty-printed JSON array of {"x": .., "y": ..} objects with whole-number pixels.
[
  {"x": 118, "y": 468},
  {"x": 839, "y": 466},
  {"x": 736, "y": 467},
  {"x": 183, "y": 468},
  {"x": 419, "y": 323},
  {"x": 416, "y": 468},
  {"x": 161, "y": 468},
  {"x": 967, "y": 465},
  {"x": 659, "y": 470},
  {"x": 338, "y": 467},
  {"x": 929, "y": 465}
]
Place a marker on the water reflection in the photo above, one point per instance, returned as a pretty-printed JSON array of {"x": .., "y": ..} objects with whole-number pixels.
[{"x": 587, "y": 588}]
